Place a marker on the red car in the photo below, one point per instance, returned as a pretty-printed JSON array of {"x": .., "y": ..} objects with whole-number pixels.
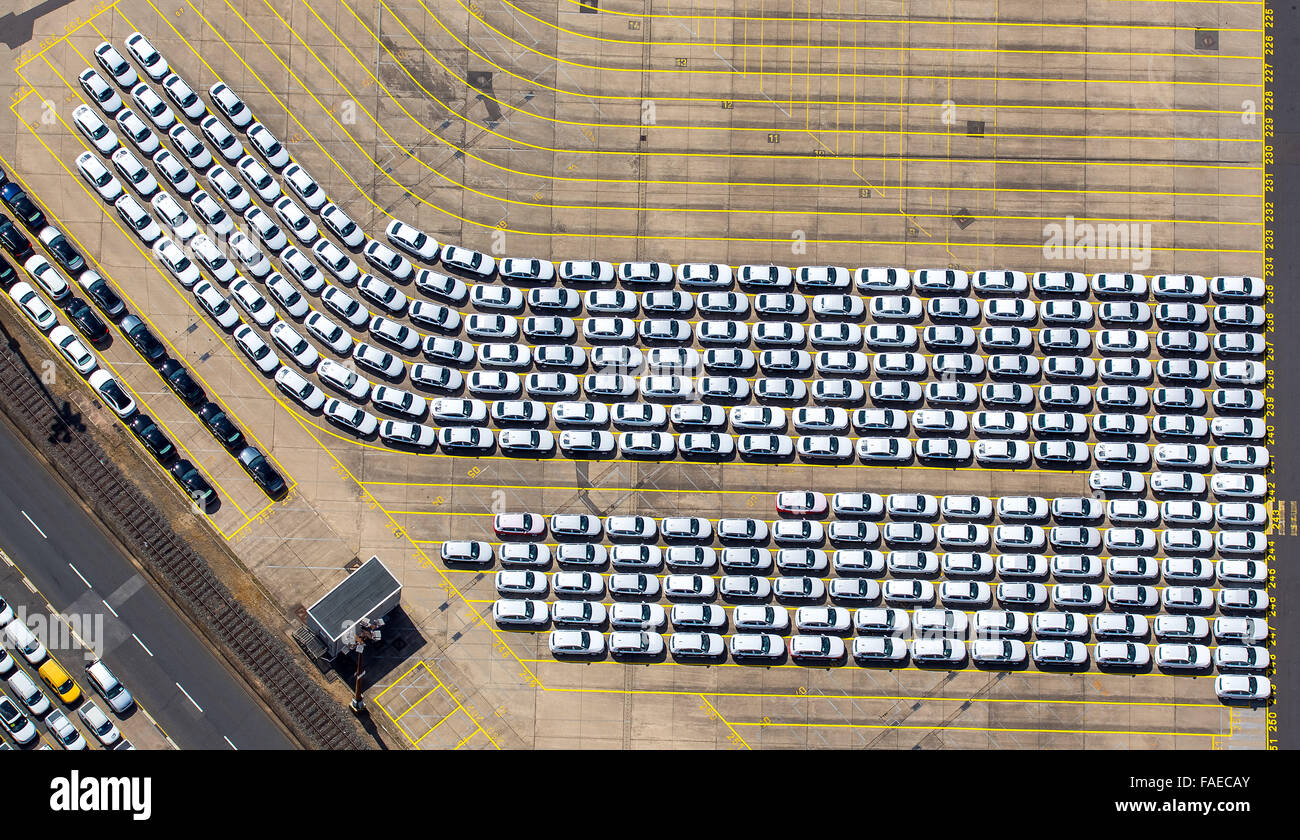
[
  {"x": 801, "y": 503},
  {"x": 518, "y": 525}
]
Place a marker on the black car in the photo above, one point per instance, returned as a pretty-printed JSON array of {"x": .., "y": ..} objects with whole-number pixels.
[
  {"x": 13, "y": 240},
  {"x": 180, "y": 381},
  {"x": 8, "y": 276},
  {"x": 193, "y": 483},
  {"x": 85, "y": 320},
  {"x": 64, "y": 254},
  {"x": 262, "y": 472},
  {"x": 105, "y": 298},
  {"x": 142, "y": 340},
  {"x": 23, "y": 207},
  {"x": 221, "y": 427},
  {"x": 153, "y": 438}
]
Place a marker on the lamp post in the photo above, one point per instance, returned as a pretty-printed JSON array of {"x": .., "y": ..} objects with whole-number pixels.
[{"x": 365, "y": 630}]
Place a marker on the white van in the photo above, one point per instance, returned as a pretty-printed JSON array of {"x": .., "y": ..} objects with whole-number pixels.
[
  {"x": 29, "y": 694},
  {"x": 21, "y": 639}
]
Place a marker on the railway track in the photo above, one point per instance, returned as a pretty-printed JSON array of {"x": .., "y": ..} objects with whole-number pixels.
[{"x": 305, "y": 708}]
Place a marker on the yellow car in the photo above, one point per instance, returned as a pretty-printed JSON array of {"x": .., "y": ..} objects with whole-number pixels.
[{"x": 59, "y": 680}]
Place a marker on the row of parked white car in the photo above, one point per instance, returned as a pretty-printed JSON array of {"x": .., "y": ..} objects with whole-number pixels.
[
  {"x": 799, "y": 583},
  {"x": 891, "y": 652},
  {"x": 848, "y": 508},
  {"x": 856, "y": 563},
  {"x": 1245, "y": 314},
  {"x": 1229, "y": 631}
]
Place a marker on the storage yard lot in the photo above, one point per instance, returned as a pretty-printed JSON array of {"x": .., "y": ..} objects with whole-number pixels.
[{"x": 676, "y": 132}]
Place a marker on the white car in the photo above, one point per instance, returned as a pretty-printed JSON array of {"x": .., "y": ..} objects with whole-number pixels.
[
  {"x": 1060, "y": 652},
  {"x": 937, "y": 651},
  {"x": 174, "y": 260},
  {"x": 266, "y": 187},
  {"x": 576, "y": 643},
  {"x": 72, "y": 349},
  {"x": 520, "y": 612},
  {"x": 33, "y": 306},
  {"x": 398, "y": 401},
  {"x": 377, "y": 360},
  {"x": 229, "y": 103},
  {"x": 216, "y": 304},
  {"x": 225, "y": 185},
  {"x": 299, "y": 349},
  {"x": 647, "y": 445},
  {"x": 999, "y": 651},
  {"x": 153, "y": 107},
  {"x": 297, "y": 221},
  {"x": 183, "y": 96},
  {"x": 382, "y": 294},
  {"x": 1242, "y": 687},
  {"x": 328, "y": 333},
  {"x": 112, "y": 393},
  {"x": 342, "y": 226},
  {"x": 97, "y": 175},
  {"x": 1182, "y": 657},
  {"x": 357, "y": 420},
  {"x": 134, "y": 173},
  {"x": 387, "y": 260},
  {"x": 266, "y": 144},
  {"x": 302, "y": 391},
  {"x": 305, "y": 187},
  {"x": 412, "y": 240},
  {"x": 474, "y": 262}
]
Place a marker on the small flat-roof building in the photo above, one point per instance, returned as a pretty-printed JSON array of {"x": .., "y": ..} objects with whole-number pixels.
[{"x": 369, "y": 592}]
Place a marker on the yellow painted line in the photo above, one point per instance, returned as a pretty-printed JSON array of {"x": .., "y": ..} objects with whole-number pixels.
[
  {"x": 733, "y": 128},
  {"x": 882, "y": 669},
  {"x": 423, "y": 697},
  {"x": 449, "y": 213},
  {"x": 713, "y": 712},
  {"x": 436, "y": 725},
  {"x": 949, "y": 728},
  {"x": 176, "y": 439},
  {"x": 891, "y": 76},
  {"x": 902, "y": 48},
  {"x": 908, "y": 21},
  {"x": 212, "y": 393},
  {"x": 889, "y": 697},
  {"x": 72, "y": 28}
]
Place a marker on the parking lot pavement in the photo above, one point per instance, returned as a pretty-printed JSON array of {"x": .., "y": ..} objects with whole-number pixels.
[{"x": 672, "y": 156}]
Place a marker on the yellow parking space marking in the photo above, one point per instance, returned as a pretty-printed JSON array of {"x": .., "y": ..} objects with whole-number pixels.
[
  {"x": 733, "y": 128},
  {"x": 365, "y": 194},
  {"x": 956, "y": 24},
  {"x": 176, "y": 439},
  {"x": 213, "y": 394},
  {"x": 735, "y": 737},
  {"x": 901, "y": 76},
  {"x": 895, "y": 21},
  {"x": 71, "y": 28},
  {"x": 945, "y": 727},
  {"x": 1165, "y": 678},
  {"x": 793, "y": 695},
  {"x": 439, "y": 687}
]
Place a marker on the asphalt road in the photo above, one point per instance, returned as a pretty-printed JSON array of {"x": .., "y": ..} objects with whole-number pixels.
[
  {"x": 1286, "y": 384},
  {"x": 146, "y": 644}
]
